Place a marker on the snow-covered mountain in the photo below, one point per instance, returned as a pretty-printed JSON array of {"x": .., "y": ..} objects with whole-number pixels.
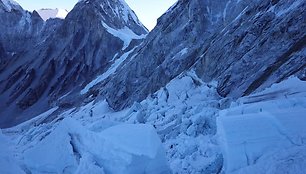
[
  {"x": 218, "y": 86},
  {"x": 56, "y": 57},
  {"x": 47, "y": 13}
]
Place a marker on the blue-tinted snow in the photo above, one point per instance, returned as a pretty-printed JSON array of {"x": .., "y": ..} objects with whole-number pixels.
[{"x": 261, "y": 133}]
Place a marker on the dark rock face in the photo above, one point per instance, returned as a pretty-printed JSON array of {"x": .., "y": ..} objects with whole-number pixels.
[
  {"x": 265, "y": 45},
  {"x": 244, "y": 45},
  {"x": 57, "y": 57},
  {"x": 2, "y": 53}
]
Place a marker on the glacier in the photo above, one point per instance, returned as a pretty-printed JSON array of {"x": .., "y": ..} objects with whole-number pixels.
[{"x": 185, "y": 127}]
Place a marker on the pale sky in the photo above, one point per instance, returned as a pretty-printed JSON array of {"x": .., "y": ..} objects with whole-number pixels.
[{"x": 147, "y": 10}]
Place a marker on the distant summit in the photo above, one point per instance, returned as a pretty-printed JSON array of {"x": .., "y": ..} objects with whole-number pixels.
[{"x": 47, "y": 13}]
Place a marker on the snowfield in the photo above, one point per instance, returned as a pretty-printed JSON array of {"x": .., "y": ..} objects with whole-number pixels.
[{"x": 185, "y": 127}]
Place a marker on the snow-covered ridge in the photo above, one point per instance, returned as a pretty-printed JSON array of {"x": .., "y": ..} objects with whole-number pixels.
[
  {"x": 123, "y": 10},
  {"x": 47, "y": 13}
]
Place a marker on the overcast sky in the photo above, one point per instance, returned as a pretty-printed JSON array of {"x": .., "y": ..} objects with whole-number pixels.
[{"x": 147, "y": 10}]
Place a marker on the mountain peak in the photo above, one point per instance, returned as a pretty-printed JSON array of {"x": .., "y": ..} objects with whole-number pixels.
[
  {"x": 47, "y": 13},
  {"x": 114, "y": 13}
]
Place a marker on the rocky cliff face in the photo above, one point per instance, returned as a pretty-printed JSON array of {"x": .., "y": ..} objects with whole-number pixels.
[
  {"x": 262, "y": 46},
  {"x": 56, "y": 57},
  {"x": 244, "y": 45},
  {"x": 178, "y": 40}
]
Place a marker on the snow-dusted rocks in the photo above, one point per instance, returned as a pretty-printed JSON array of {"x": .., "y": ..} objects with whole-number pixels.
[
  {"x": 261, "y": 131},
  {"x": 121, "y": 149}
]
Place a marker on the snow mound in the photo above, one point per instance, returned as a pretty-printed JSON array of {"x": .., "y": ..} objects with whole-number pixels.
[
  {"x": 71, "y": 148},
  {"x": 46, "y": 14}
]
